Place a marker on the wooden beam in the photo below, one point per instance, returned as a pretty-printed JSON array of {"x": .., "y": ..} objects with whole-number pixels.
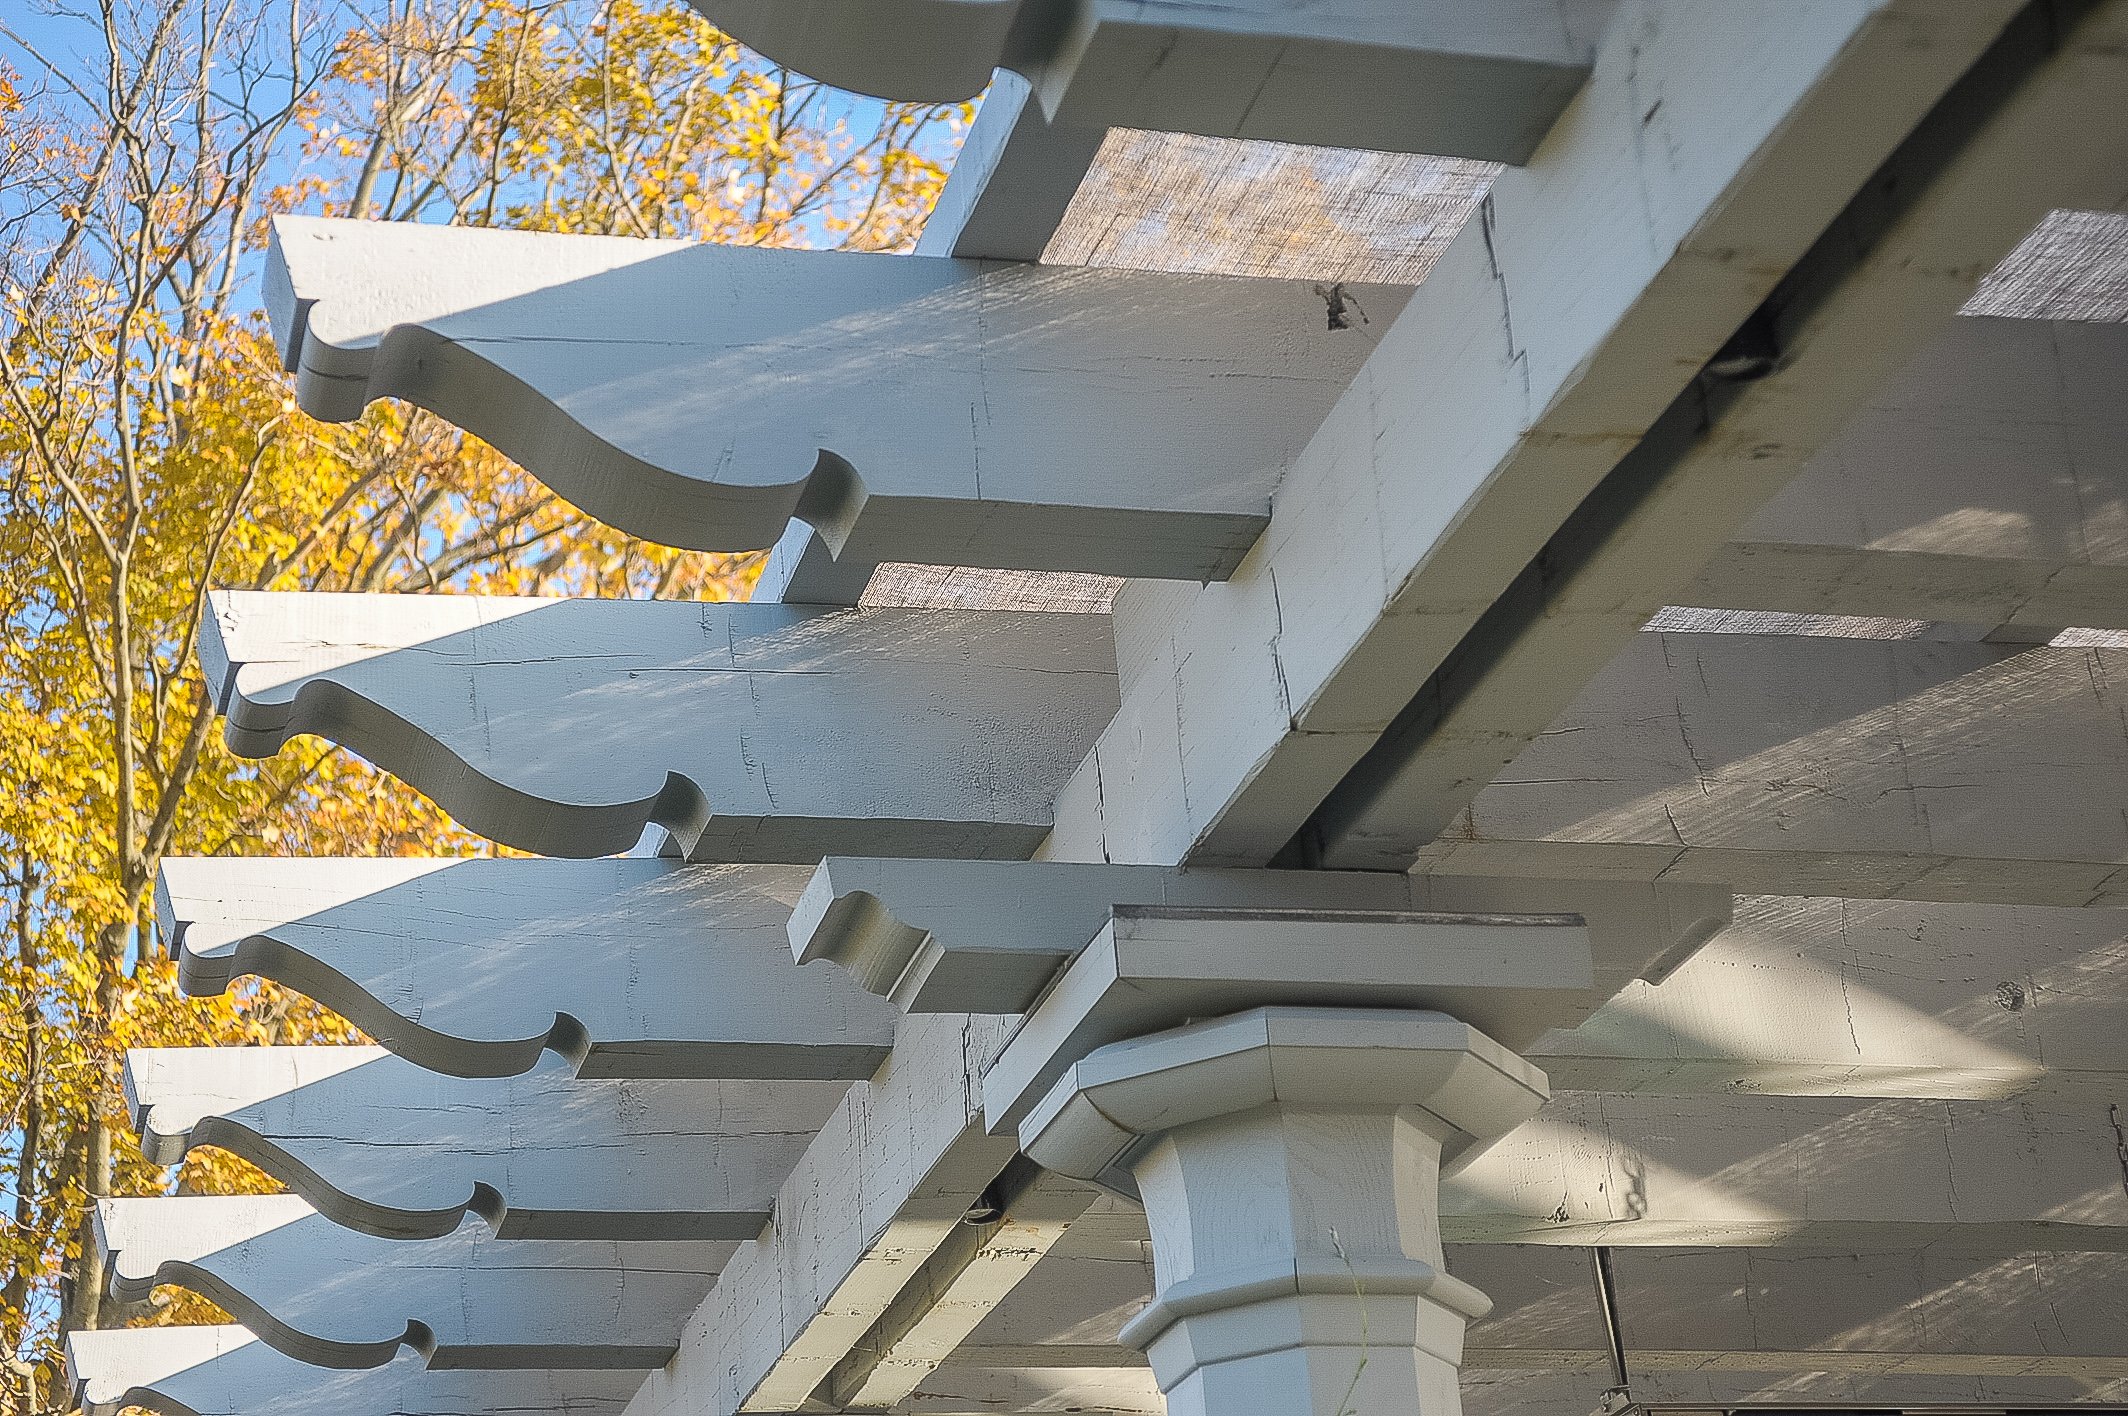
[
  {"x": 1870, "y": 998},
  {"x": 1740, "y": 1171},
  {"x": 1012, "y": 181},
  {"x": 1888, "y": 1309},
  {"x": 990, "y": 936},
  {"x": 1984, "y": 485},
  {"x": 890, "y": 1181},
  {"x": 628, "y": 968},
  {"x": 956, "y": 1290},
  {"x": 329, "y": 1296},
  {"x": 749, "y": 732},
  {"x": 937, "y": 411},
  {"x": 1805, "y": 766},
  {"x": 225, "y": 1371},
  {"x": 1433, "y": 77},
  {"x": 1555, "y": 331},
  {"x": 383, "y": 1146},
  {"x": 2007, "y": 145}
]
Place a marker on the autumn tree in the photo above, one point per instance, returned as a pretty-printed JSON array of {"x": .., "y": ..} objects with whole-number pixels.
[{"x": 149, "y": 450}]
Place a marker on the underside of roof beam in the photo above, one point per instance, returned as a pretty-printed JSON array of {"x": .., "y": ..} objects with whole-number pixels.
[{"x": 1590, "y": 291}]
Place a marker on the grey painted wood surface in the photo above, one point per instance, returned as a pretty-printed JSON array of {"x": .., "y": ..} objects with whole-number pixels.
[
  {"x": 225, "y": 1371},
  {"x": 1550, "y": 336},
  {"x": 1411, "y": 75},
  {"x": 330, "y": 1296},
  {"x": 1871, "y": 998},
  {"x": 1824, "y": 1319},
  {"x": 750, "y": 732},
  {"x": 628, "y": 968},
  {"x": 1806, "y": 766},
  {"x": 988, "y": 936},
  {"x": 942, "y": 411},
  {"x": 1987, "y": 483},
  {"x": 2012, "y": 143},
  {"x": 381, "y": 1145}
]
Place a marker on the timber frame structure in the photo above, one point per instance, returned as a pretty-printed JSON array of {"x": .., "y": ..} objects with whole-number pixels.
[{"x": 1437, "y": 725}]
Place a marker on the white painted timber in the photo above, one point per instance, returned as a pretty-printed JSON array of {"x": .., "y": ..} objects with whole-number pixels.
[
  {"x": 225, "y": 1371},
  {"x": 1715, "y": 1387},
  {"x": 1871, "y": 998},
  {"x": 327, "y": 1295},
  {"x": 1155, "y": 967},
  {"x": 380, "y": 1145},
  {"x": 2011, "y": 143},
  {"x": 1012, "y": 181},
  {"x": 1410, "y": 75},
  {"x": 890, "y": 1181},
  {"x": 1886, "y": 1310},
  {"x": 941, "y": 411},
  {"x": 1829, "y": 1320},
  {"x": 1986, "y": 484},
  {"x": 956, "y": 1288},
  {"x": 988, "y": 936},
  {"x": 1710, "y": 150},
  {"x": 628, "y": 968},
  {"x": 1289, "y": 1161},
  {"x": 749, "y": 732},
  {"x": 1741, "y": 1171},
  {"x": 1807, "y": 766}
]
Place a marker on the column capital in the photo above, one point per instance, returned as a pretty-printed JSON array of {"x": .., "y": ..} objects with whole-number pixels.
[{"x": 1467, "y": 1087}]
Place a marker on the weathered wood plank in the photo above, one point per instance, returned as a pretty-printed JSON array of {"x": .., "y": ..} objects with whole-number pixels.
[
  {"x": 1807, "y": 766},
  {"x": 225, "y": 1371},
  {"x": 1710, "y": 151},
  {"x": 330, "y": 1296},
  {"x": 628, "y": 968},
  {"x": 1434, "y": 77},
  {"x": 942, "y": 411},
  {"x": 381, "y": 1145},
  {"x": 749, "y": 732}
]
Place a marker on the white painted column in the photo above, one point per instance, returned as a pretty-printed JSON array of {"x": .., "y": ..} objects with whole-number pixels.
[{"x": 1289, "y": 1160}]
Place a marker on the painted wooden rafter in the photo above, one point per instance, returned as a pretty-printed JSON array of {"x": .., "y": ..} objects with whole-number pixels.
[
  {"x": 381, "y": 1145},
  {"x": 225, "y": 1371},
  {"x": 1409, "y": 75},
  {"x": 944, "y": 411},
  {"x": 1795, "y": 765},
  {"x": 330, "y": 1296},
  {"x": 628, "y": 968},
  {"x": 749, "y": 732}
]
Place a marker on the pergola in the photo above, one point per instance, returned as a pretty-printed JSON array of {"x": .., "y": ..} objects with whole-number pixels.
[{"x": 1436, "y": 726}]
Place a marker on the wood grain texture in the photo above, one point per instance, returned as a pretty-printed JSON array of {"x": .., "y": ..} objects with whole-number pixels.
[
  {"x": 383, "y": 1146},
  {"x": 335, "y": 1298},
  {"x": 749, "y": 732},
  {"x": 628, "y": 968},
  {"x": 939, "y": 411}
]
